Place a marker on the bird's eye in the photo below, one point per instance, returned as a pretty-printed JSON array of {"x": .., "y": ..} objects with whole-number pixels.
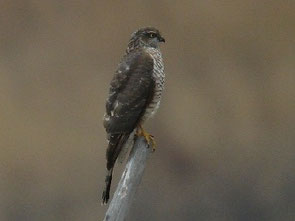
[{"x": 152, "y": 35}]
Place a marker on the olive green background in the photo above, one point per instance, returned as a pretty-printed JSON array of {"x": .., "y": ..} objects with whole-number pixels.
[{"x": 225, "y": 129}]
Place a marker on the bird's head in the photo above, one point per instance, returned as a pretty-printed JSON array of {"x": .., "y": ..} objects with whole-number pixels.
[{"x": 145, "y": 37}]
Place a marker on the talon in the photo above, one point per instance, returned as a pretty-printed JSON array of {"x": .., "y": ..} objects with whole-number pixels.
[
  {"x": 148, "y": 137},
  {"x": 153, "y": 143}
]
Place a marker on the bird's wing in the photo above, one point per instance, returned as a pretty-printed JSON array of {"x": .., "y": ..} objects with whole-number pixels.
[{"x": 130, "y": 92}]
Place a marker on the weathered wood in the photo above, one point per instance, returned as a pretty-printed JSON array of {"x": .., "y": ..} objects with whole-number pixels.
[{"x": 130, "y": 180}]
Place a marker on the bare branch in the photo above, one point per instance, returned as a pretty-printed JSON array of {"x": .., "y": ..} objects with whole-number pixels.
[{"x": 129, "y": 182}]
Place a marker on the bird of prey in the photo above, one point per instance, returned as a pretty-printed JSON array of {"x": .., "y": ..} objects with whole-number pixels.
[{"x": 134, "y": 95}]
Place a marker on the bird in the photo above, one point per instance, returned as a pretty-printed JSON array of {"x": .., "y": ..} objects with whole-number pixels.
[{"x": 134, "y": 95}]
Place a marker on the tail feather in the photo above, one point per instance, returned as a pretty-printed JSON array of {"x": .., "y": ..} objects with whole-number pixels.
[
  {"x": 116, "y": 143},
  {"x": 106, "y": 191}
]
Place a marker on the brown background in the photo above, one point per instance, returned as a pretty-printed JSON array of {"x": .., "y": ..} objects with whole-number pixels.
[{"x": 225, "y": 129}]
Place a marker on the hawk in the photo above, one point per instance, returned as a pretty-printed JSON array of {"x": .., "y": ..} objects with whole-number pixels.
[{"x": 134, "y": 95}]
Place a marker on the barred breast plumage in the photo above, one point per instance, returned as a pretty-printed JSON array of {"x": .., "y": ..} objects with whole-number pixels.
[
  {"x": 159, "y": 77},
  {"x": 134, "y": 95}
]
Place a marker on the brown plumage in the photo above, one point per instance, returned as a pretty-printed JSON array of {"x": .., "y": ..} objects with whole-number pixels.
[{"x": 134, "y": 95}]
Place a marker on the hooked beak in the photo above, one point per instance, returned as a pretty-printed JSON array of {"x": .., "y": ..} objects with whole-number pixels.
[{"x": 161, "y": 39}]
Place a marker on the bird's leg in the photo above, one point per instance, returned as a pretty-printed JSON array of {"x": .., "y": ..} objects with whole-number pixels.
[{"x": 148, "y": 137}]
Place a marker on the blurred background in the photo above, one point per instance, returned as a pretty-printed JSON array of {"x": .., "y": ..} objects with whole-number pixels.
[{"x": 225, "y": 130}]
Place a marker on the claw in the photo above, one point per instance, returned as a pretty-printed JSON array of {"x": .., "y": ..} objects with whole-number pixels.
[{"x": 148, "y": 137}]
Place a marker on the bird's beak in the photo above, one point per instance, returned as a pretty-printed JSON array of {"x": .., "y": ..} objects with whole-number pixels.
[{"x": 161, "y": 39}]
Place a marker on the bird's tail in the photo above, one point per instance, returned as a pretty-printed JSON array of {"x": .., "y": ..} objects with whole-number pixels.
[
  {"x": 106, "y": 191},
  {"x": 116, "y": 143}
]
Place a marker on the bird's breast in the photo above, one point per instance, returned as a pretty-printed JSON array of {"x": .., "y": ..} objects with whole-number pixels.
[{"x": 159, "y": 78}]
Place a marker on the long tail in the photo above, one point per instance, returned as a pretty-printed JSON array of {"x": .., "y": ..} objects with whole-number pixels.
[
  {"x": 106, "y": 191},
  {"x": 116, "y": 142}
]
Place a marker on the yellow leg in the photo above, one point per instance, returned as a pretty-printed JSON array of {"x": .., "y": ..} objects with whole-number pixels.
[{"x": 148, "y": 137}]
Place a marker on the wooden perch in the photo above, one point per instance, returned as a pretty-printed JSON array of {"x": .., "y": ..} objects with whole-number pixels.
[{"x": 130, "y": 180}]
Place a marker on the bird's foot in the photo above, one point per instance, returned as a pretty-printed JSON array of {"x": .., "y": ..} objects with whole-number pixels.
[{"x": 148, "y": 137}]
